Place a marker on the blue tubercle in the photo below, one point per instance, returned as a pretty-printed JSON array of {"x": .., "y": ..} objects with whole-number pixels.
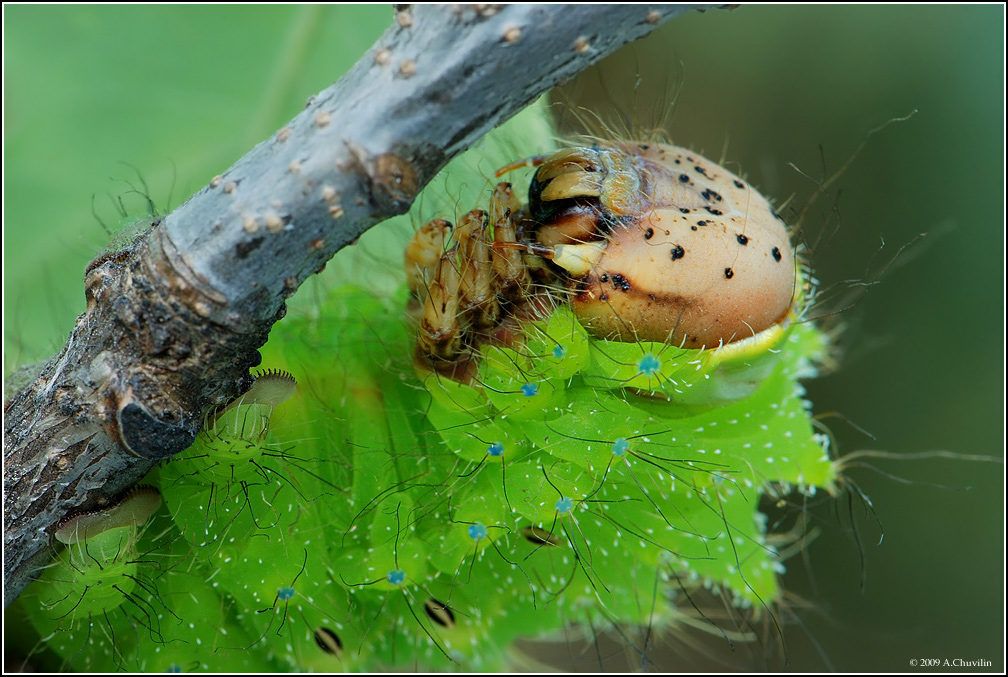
[
  {"x": 649, "y": 365},
  {"x": 477, "y": 531}
]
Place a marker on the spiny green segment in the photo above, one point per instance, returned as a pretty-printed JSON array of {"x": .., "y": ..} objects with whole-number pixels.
[
  {"x": 373, "y": 491},
  {"x": 92, "y": 575},
  {"x": 673, "y": 479}
]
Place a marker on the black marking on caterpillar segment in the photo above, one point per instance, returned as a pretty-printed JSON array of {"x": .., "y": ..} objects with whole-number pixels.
[
  {"x": 440, "y": 613},
  {"x": 539, "y": 537},
  {"x": 328, "y": 641}
]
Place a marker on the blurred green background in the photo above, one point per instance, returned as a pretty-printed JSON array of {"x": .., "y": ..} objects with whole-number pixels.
[{"x": 181, "y": 92}]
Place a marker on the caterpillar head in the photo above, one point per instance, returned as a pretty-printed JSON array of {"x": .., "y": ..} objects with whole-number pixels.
[{"x": 663, "y": 245}]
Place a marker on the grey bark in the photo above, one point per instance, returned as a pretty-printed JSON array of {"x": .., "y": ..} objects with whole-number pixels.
[{"x": 174, "y": 321}]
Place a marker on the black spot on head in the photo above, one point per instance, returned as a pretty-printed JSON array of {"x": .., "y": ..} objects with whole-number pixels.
[
  {"x": 713, "y": 212},
  {"x": 701, "y": 223},
  {"x": 776, "y": 254},
  {"x": 684, "y": 210},
  {"x": 677, "y": 252},
  {"x": 684, "y": 178},
  {"x": 729, "y": 273},
  {"x": 678, "y": 161},
  {"x": 739, "y": 184},
  {"x": 742, "y": 239},
  {"x": 643, "y": 146},
  {"x": 649, "y": 233},
  {"x": 604, "y": 297},
  {"x": 693, "y": 228},
  {"x": 620, "y": 282},
  {"x": 700, "y": 170},
  {"x": 604, "y": 277},
  {"x": 711, "y": 195}
]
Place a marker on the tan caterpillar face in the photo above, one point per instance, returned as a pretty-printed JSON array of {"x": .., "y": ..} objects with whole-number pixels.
[
  {"x": 646, "y": 242},
  {"x": 692, "y": 255}
]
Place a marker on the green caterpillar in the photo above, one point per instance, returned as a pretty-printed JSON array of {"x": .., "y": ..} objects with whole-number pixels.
[{"x": 384, "y": 518}]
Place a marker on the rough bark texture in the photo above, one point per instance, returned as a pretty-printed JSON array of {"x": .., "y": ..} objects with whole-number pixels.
[{"x": 174, "y": 321}]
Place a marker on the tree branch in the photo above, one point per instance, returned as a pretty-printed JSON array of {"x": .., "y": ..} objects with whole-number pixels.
[{"x": 174, "y": 321}]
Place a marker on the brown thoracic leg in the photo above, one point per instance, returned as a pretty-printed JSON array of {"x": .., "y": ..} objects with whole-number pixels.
[
  {"x": 511, "y": 274},
  {"x": 423, "y": 254},
  {"x": 440, "y": 334},
  {"x": 479, "y": 296}
]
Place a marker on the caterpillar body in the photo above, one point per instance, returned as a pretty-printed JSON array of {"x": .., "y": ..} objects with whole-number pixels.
[{"x": 517, "y": 457}]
